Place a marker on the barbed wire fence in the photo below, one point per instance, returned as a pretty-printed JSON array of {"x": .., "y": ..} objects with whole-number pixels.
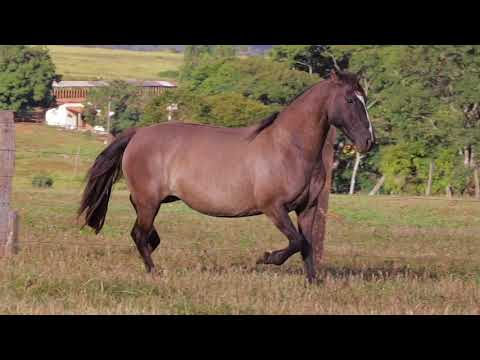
[{"x": 77, "y": 157}]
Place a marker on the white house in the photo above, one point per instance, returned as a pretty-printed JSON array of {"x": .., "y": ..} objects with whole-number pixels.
[{"x": 68, "y": 116}]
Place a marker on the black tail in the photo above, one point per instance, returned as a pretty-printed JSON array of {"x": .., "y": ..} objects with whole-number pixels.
[{"x": 106, "y": 171}]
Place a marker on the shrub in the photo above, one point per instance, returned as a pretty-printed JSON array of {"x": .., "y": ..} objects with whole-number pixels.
[
  {"x": 234, "y": 110},
  {"x": 42, "y": 181}
]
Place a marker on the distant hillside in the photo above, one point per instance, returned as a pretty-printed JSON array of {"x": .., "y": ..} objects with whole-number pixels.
[
  {"x": 123, "y": 62},
  {"x": 253, "y": 48},
  {"x": 86, "y": 63}
]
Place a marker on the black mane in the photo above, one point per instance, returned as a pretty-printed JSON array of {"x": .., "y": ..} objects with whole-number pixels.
[
  {"x": 265, "y": 123},
  {"x": 270, "y": 120}
]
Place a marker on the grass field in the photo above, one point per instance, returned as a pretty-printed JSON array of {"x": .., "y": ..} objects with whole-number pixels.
[
  {"x": 79, "y": 63},
  {"x": 383, "y": 255}
]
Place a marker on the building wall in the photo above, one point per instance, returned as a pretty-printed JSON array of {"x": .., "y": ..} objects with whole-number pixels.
[
  {"x": 79, "y": 95},
  {"x": 61, "y": 116}
]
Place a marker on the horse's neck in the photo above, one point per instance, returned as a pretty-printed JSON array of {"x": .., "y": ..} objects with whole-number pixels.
[{"x": 304, "y": 124}]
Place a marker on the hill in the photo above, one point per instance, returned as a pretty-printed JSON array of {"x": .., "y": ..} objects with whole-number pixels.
[
  {"x": 86, "y": 63},
  {"x": 253, "y": 49}
]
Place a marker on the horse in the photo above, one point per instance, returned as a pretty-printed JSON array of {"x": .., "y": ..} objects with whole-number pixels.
[{"x": 280, "y": 165}]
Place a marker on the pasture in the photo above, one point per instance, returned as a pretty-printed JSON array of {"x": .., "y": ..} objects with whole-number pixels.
[
  {"x": 383, "y": 255},
  {"x": 79, "y": 63}
]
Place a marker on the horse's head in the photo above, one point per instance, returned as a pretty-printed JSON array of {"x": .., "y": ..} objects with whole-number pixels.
[{"x": 347, "y": 110}]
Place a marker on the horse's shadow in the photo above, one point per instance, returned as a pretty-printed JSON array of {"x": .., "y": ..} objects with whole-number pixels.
[{"x": 349, "y": 272}]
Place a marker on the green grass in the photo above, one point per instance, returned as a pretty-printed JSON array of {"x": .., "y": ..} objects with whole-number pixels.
[
  {"x": 43, "y": 150},
  {"x": 79, "y": 63},
  {"x": 382, "y": 255}
]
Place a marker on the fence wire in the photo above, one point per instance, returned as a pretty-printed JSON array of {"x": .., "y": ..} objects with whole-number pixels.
[{"x": 195, "y": 246}]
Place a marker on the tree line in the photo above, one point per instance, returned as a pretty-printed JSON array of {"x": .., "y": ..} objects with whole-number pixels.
[{"x": 423, "y": 101}]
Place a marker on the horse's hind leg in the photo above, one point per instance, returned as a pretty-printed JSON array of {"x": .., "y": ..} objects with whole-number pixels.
[
  {"x": 144, "y": 234},
  {"x": 154, "y": 238}
]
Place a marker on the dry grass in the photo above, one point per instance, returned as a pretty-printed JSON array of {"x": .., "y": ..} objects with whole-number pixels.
[
  {"x": 383, "y": 256},
  {"x": 79, "y": 63}
]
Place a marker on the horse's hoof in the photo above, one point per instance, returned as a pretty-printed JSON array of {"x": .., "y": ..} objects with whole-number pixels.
[
  {"x": 264, "y": 259},
  {"x": 315, "y": 281},
  {"x": 152, "y": 272}
]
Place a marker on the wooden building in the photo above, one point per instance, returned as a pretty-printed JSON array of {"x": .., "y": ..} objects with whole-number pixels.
[{"x": 68, "y": 92}]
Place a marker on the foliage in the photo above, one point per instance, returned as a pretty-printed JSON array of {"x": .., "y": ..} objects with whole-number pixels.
[
  {"x": 219, "y": 88},
  {"x": 314, "y": 59},
  {"x": 125, "y": 102},
  {"x": 42, "y": 181},
  {"x": 26, "y": 76},
  {"x": 450, "y": 171},
  {"x": 156, "y": 109},
  {"x": 228, "y": 109},
  {"x": 399, "y": 163},
  {"x": 225, "y": 51},
  {"x": 424, "y": 97},
  {"x": 254, "y": 77},
  {"x": 233, "y": 110}
]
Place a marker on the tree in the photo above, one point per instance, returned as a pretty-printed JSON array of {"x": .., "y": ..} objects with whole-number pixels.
[
  {"x": 226, "y": 109},
  {"x": 225, "y": 51},
  {"x": 232, "y": 110},
  {"x": 125, "y": 102},
  {"x": 26, "y": 77},
  {"x": 229, "y": 91},
  {"x": 194, "y": 53},
  {"x": 314, "y": 59},
  {"x": 424, "y": 98},
  {"x": 254, "y": 77},
  {"x": 189, "y": 106}
]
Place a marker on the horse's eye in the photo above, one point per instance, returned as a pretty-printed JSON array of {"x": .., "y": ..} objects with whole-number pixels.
[{"x": 349, "y": 100}]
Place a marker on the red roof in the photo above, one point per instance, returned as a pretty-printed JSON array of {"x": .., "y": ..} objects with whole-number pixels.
[{"x": 75, "y": 109}]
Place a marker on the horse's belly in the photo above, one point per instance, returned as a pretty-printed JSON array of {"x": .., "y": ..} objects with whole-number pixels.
[
  {"x": 218, "y": 205},
  {"x": 222, "y": 211},
  {"x": 221, "y": 194}
]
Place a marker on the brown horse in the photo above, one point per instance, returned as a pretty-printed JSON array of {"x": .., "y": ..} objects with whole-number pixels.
[{"x": 280, "y": 165}]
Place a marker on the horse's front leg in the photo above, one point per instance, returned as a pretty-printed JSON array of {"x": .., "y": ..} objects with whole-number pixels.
[{"x": 282, "y": 221}]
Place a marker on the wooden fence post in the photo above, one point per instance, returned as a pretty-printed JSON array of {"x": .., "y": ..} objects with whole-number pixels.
[
  {"x": 8, "y": 218},
  {"x": 77, "y": 160}
]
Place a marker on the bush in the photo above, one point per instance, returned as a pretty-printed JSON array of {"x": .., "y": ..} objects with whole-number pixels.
[
  {"x": 450, "y": 170},
  {"x": 228, "y": 109},
  {"x": 125, "y": 102},
  {"x": 233, "y": 110},
  {"x": 400, "y": 163},
  {"x": 42, "y": 181},
  {"x": 156, "y": 110}
]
